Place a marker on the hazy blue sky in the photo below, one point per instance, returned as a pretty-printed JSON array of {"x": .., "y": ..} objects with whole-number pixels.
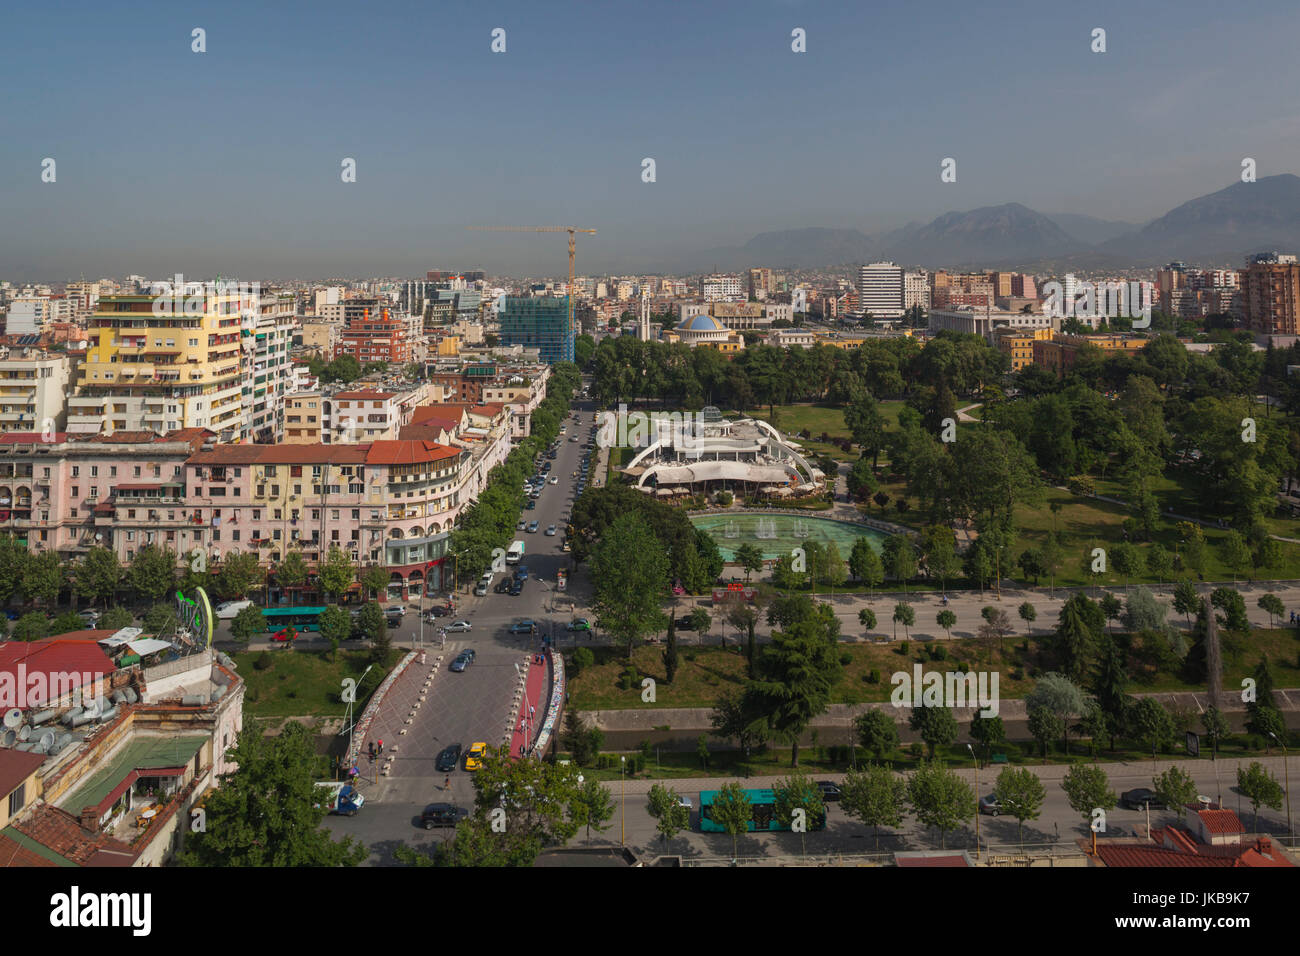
[{"x": 229, "y": 161}]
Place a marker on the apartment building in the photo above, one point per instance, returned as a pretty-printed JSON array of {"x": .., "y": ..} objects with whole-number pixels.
[
  {"x": 374, "y": 333},
  {"x": 1059, "y": 353},
  {"x": 1018, "y": 344},
  {"x": 268, "y": 369},
  {"x": 33, "y": 390},
  {"x": 880, "y": 290},
  {"x": 304, "y": 418},
  {"x": 320, "y": 336},
  {"x": 163, "y": 363},
  {"x": 1270, "y": 292}
]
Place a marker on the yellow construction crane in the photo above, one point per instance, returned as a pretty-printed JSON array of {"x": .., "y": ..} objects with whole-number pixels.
[{"x": 571, "y": 230}]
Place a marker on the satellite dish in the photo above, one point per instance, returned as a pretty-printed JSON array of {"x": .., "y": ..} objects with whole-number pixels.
[
  {"x": 46, "y": 741},
  {"x": 92, "y": 709},
  {"x": 25, "y": 732},
  {"x": 8, "y": 739},
  {"x": 13, "y": 718},
  {"x": 99, "y": 536},
  {"x": 1202, "y": 798}
]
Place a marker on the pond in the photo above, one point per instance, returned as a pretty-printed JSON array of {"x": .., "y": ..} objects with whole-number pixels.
[{"x": 777, "y": 535}]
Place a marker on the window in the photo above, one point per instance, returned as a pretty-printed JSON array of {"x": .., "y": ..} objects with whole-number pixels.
[
  {"x": 18, "y": 799},
  {"x": 137, "y": 471},
  {"x": 75, "y": 491},
  {"x": 112, "y": 471},
  {"x": 94, "y": 471}
]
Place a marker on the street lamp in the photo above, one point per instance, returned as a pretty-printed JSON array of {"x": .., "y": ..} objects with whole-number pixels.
[
  {"x": 1286, "y": 772},
  {"x": 977, "y": 799},
  {"x": 622, "y": 789}
]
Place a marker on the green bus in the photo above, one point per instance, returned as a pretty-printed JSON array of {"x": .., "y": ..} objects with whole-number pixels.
[
  {"x": 762, "y": 816},
  {"x": 302, "y": 618}
]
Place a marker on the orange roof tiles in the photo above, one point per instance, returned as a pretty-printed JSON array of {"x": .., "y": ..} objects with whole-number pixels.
[
  {"x": 1221, "y": 821},
  {"x": 408, "y": 452}
]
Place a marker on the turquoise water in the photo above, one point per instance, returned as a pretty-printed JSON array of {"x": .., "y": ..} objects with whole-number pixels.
[{"x": 776, "y": 535}]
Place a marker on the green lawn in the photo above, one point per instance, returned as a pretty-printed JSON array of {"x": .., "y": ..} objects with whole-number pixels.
[
  {"x": 706, "y": 673},
  {"x": 304, "y": 683}
]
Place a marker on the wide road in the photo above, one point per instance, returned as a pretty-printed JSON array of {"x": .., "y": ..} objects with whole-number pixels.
[{"x": 476, "y": 704}]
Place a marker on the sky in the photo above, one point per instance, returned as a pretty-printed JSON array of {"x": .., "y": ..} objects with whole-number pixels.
[{"x": 229, "y": 161}]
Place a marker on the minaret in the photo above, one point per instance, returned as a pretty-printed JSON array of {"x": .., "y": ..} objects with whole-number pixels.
[{"x": 643, "y": 333}]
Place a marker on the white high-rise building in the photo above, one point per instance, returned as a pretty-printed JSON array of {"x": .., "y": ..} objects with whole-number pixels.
[
  {"x": 721, "y": 288},
  {"x": 916, "y": 290},
  {"x": 880, "y": 290}
]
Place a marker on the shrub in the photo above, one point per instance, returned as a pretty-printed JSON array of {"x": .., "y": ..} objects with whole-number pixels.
[
  {"x": 583, "y": 658},
  {"x": 262, "y": 661},
  {"x": 902, "y": 647},
  {"x": 629, "y": 678},
  {"x": 938, "y": 652},
  {"x": 916, "y": 750},
  {"x": 874, "y": 676},
  {"x": 846, "y": 659}
]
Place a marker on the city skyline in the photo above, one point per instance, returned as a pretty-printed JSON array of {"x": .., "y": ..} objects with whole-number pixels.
[{"x": 242, "y": 176}]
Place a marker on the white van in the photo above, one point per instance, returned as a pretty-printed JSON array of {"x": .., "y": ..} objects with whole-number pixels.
[
  {"x": 228, "y": 609},
  {"x": 485, "y": 582}
]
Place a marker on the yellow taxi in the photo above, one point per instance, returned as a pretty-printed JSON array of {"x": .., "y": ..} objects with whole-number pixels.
[{"x": 474, "y": 756}]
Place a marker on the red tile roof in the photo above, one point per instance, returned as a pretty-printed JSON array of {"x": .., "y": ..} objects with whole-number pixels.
[
  {"x": 15, "y": 767},
  {"x": 61, "y": 832},
  {"x": 13, "y": 853},
  {"x": 32, "y": 438},
  {"x": 430, "y": 432},
  {"x": 425, "y": 413},
  {"x": 1130, "y": 855},
  {"x": 365, "y": 395},
  {"x": 68, "y": 654},
  {"x": 408, "y": 452},
  {"x": 315, "y": 454},
  {"x": 1220, "y": 821}
]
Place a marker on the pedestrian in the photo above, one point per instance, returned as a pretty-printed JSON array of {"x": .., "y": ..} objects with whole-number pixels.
[
  {"x": 381, "y": 746},
  {"x": 446, "y": 784},
  {"x": 372, "y": 750}
]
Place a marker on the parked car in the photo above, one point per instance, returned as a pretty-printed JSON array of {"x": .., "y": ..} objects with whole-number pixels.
[
  {"x": 830, "y": 791},
  {"x": 532, "y": 503},
  {"x": 516, "y": 587},
  {"x": 448, "y": 758},
  {"x": 521, "y": 525},
  {"x": 456, "y": 627},
  {"x": 474, "y": 756},
  {"x": 684, "y": 623},
  {"x": 228, "y": 609},
  {"x": 481, "y": 589},
  {"x": 990, "y": 804},
  {"x": 521, "y": 572},
  {"x": 553, "y": 480},
  {"x": 442, "y": 815},
  {"x": 285, "y": 634},
  {"x": 89, "y": 617},
  {"x": 503, "y": 585},
  {"x": 1139, "y": 799},
  {"x": 522, "y": 627},
  {"x": 579, "y": 624},
  {"x": 550, "y": 531},
  {"x": 441, "y": 610},
  {"x": 398, "y": 609}
]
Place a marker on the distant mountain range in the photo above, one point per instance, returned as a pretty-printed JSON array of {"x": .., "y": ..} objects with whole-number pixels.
[{"x": 1221, "y": 229}]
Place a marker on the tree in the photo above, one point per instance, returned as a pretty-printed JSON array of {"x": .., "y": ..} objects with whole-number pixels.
[
  {"x": 939, "y": 798},
  {"x": 905, "y": 615},
  {"x": 630, "y": 570},
  {"x": 1235, "y": 552},
  {"x": 732, "y": 810},
  {"x": 743, "y": 616},
  {"x": 1216, "y": 727},
  {"x": 336, "y": 573},
  {"x": 371, "y": 623},
  {"x": 877, "y": 732},
  {"x": 582, "y": 742},
  {"x": 881, "y": 499},
  {"x": 865, "y": 565},
  {"x": 1087, "y": 788},
  {"x": 750, "y": 557},
  {"x": 1028, "y": 613},
  {"x": 867, "y": 618},
  {"x": 794, "y": 797},
  {"x": 1186, "y": 600},
  {"x": 375, "y": 580},
  {"x": 1273, "y": 606},
  {"x": 1074, "y": 640},
  {"x": 238, "y": 574},
  {"x": 32, "y": 626},
  {"x": 268, "y": 812},
  {"x": 665, "y": 806},
  {"x": 939, "y": 546},
  {"x": 1127, "y": 560},
  {"x": 292, "y": 571},
  {"x": 335, "y": 625},
  {"x": 1021, "y": 794},
  {"x": 875, "y": 797},
  {"x": 43, "y": 577},
  {"x": 13, "y": 560},
  {"x": 116, "y": 618},
  {"x": 862, "y": 479},
  {"x": 249, "y": 621},
  {"x": 1175, "y": 788},
  {"x": 98, "y": 575},
  {"x": 1259, "y": 787},
  {"x": 1111, "y": 608},
  {"x": 1061, "y": 696},
  {"x": 796, "y": 674},
  {"x": 1033, "y": 564},
  {"x": 987, "y": 732},
  {"x": 1159, "y": 561},
  {"x": 946, "y": 619},
  {"x": 866, "y": 423},
  {"x": 670, "y": 651},
  {"x": 152, "y": 574},
  {"x": 900, "y": 558},
  {"x": 1142, "y": 612},
  {"x": 1151, "y": 723},
  {"x": 936, "y": 726},
  {"x": 592, "y": 806},
  {"x": 1044, "y": 726},
  {"x": 739, "y": 716}
]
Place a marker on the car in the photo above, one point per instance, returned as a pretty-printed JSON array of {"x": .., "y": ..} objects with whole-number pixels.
[
  {"x": 830, "y": 791},
  {"x": 398, "y": 609},
  {"x": 474, "y": 756},
  {"x": 441, "y": 610},
  {"x": 578, "y": 624},
  {"x": 563, "y": 429},
  {"x": 448, "y": 758},
  {"x": 573, "y": 438},
  {"x": 89, "y": 617},
  {"x": 521, "y": 572},
  {"x": 553, "y": 480},
  {"x": 522, "y": 627},
  {"x": 457, "y": 626},
  {"x": 503, "y": 585},
  {"x": 1139, "y": 799},
  {"x": 459, "y": 664},
  {"x": 550, "y": 531},
  {"x": 480, "y": 589},
  {"x": 521, "y": 525},
  {"x": 228, "y": 609},
  {"x": 516, "y": 587},
  {"x": 393, "y": 620},
  {"x": 285, "y": 634},
  {"x": 685, "y": 802},
  {"x": 532, "y": 527},
  {"x": 990, "y": 804},
  {"x": 442, "y": 815},
  {"x": 532, "y": 503}
]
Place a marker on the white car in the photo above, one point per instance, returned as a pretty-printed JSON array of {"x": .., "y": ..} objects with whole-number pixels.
[
  {"x": 550, "y": 531},
  {"x": 456, "y": 626},
  {"x": 228, "y": 609},
  {"x": 554, "y": 480},
  {"x": 397, "y": 610}
]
